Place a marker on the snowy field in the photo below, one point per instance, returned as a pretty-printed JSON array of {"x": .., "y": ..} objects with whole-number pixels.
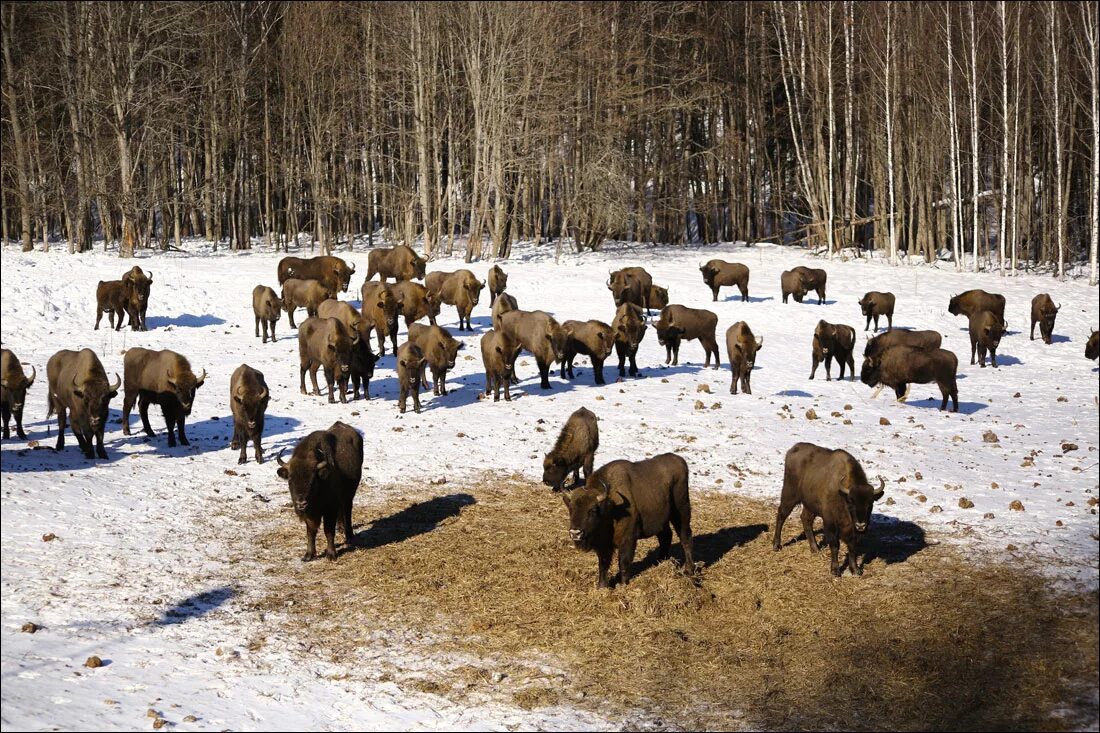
[{"x": 138, "y": 569}]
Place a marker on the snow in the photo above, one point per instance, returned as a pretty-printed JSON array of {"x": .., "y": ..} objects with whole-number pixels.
[{"x": 140, "y": 571}]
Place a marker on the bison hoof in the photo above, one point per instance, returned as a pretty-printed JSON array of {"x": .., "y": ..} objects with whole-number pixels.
[
  {"x": 857, "y": 570},
  {"x": 308, "y": 557},
  {"x": 330, "y": 555},
  {"x": 838, "y": 570},
  {"x": 185, "y": 441},
  {"x": 235, "y": 445},
  {"x": 242, "y": 460}
]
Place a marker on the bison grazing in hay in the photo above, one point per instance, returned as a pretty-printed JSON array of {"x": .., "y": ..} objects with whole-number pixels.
[{"x": 575, "y": 449}]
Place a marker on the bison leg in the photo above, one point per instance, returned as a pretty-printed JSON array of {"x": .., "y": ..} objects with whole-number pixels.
[
  {"x": 402, "y": 398},
  {"x": 808, "y": 518},
  {"x": 633, "y": 363},
  {"x": 180, "y": 424},
  {"x": 664, "y": 542},
  {"x": 851, "y": 367},
  {"x": 784, "y": 511},
  {"x": 813, "y": 366},
  {"x": 256, "y": 438},
  {"x": 821, "y": 297},
  {"x": 544, "y": 373},
  {"x": 626, "y": 557},
  {"x": 746, "y": 382},
  {"x": 687, "y": 542},
  {"x": 853, "y": 556},
  {"x": 744, "y": 292},
  {"x": 169, "y": 420},
  {"x": 889, "y": 321},
  {"x": 714, "y": 291},
  {"x": 901, "y": 392},
  {"x": 273, "y": 322},
  {"x": 99, "y": 317},
  {"x": 345, "y": 519},
  {"x": 143, "y": 412},
  {"x": 61, "y": 415},
  {"x": 330, "y": 382},
  {"x": 313, "y": 367},
  {"x": 19, "y": 423},
  {"x": 440, "y": 380},
  {"x": 1032, "y": 328},
  {"x": 603, "y": 558},
  {"x": 829, "y": 367},
  {"x": 833, "y": 541},
  {"x": 240, "y": 440},
  {"x": 85, "y": 444},
  {"x": 5, "y": 412},
  {"x": 993, "y": 357},
  {"x": 290, "y": 317},
  {"x": 311, "y": 539},
  {"x": 597, "y": 367},
  {"x": 711, "y": 347},
  {"x": 733, "y": 382},
  {"x": 973, "y": 349},
  {"x": 868, "y": 326},
  {"x": 99, "y": 449},
  {"x": 258, "y": 329},
  {"x": 507, "y": 389}
]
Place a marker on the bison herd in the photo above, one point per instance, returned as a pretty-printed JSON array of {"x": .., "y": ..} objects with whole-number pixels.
[{"x": 613, "y": 506}]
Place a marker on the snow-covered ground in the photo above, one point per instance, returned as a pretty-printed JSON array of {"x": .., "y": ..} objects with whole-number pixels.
[{"x": 138, "y": 572}]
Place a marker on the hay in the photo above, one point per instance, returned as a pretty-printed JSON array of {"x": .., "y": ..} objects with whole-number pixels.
[{"x": 926, "y": 639}]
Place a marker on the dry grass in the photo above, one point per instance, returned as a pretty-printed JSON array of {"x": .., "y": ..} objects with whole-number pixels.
[{"x": 926, "y": 639}]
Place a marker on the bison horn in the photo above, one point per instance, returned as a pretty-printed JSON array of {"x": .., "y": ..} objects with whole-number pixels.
[
  {"x": 34, "y": 373},
  {"x": 150, "y": 276},
  {"x": 115, "y": 386},
  {"x": 279, "y": 458},
  {"x": 881, "y": 484},
  {"x": 606, "y": 490},
  {"x": 263, "y": 393},
  {"x": 202, "y": 379},
  {"x": 352, "y": 268},
  {"x": 760, "y": 343}
]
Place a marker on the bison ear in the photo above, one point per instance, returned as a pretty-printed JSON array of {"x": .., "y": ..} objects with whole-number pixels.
[
  {"x": 283, "y": 473},
  {"x": 78, "y": 393}
]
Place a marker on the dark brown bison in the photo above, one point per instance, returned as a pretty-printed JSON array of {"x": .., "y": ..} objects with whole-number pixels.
[
  {"x": 575, "y": 449},
  {"x": 308, "y": 294},
  {"x": 498, "y": 354},
  {"x": 1092, "y": 348},
  {"x": 626, "y": 501},
  {"x": 414, "y": 301},
  {"x": 900, "y": 366},
  {"x": 503, "y": 304},
  {"x": 718, "y": 274},
  {"x": 498, "y": 282},
  {"x": 790, "y": 283},
  {"x": 986, "y": 330},
  {"x": 875, "y": 305},
  {"x": 678, "y": 323},
  {"x": 976, "y": 301},
  {"x": 332, "y": 272},
  {"x": 461, "y": 289},
  {"x": 323, "y": 474},
  {"x": 325, "y": 343},
  {"x": 741, "y": 347},
  {"x": 440, "y": 350},
  {"x": 593, "y": 339},
  {"x": 629, "y": 328},
  {"x": 362, "y": 368},
  {"x": 832, "y": 485},
  {"x": 538, "y": 333},
  {"x": 1043, "y": 312},
  {"x": 834, "y": 341},
  {"x": 399, "y": 262},
  {"x": 79, "y": 391},
  {"x": 113, "y": 298},
  {"x": 410, "y": 364},
  {"x": 13, "y": 391},
  {"x": 138, "y": 302},
  {"x": 248, "y": 398},
  {"x": 379, "y": 307},
  {"x": 812, "y": 279},
  {"x": 631, "y": 285},
  {"x": 266, "y": 306},
  {"x": 159, "y": 378},
  {"x": 915, "y": 339}
]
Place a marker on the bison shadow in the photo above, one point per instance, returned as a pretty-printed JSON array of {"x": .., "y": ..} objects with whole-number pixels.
[
  {"x": 71, "y": 458},
  {"x": 1059, "y": 339},
  {"x": 793, "y": 393},
  {"x": 194, "y": 606},
  {"x": 206, "y": 436},
  {"x": 184, "y": 320},
  {"x": 933, "y": 403},
  {"x": 707, "y": 549},
  {"x": 1007, "y": 360},
  {"x": 892, "y": 540},
  {"x": 416, "y": 519}
]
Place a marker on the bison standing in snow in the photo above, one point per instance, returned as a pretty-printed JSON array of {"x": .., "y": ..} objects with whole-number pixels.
[
  {"x": 159, "y": 378},
  {"x": 78, "y": 390},
  {"x": 13, "y": 391}
]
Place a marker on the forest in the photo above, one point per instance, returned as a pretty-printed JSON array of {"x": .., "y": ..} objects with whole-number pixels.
[{"x": 963, "y": 131}]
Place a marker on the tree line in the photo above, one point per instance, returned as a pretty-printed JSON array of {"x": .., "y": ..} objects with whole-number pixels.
[{"x": 908, "y": 128}]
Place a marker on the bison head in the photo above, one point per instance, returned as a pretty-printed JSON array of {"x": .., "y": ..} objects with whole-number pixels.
[
  {"x": 306, "y": 473},
  {"x": 824, "y": 335},
  {"x": 860, "y": 499},
  {"x": 253, "y": 405},
  {"x": 434, "y": 302},
  {"x": 748, "y": 351},
  {"x": 412, "y": 359},
  {"x": 953, "y": 306},
  {"x": 339, "y": 346},
  {"x": 183, "y": 387},
  {"x": 559, "y": 339},
  {"x": 658, "y": 296},
  {"x": 708, "y": 273},
  {"x": 364, "y": 359},
  {"x": 15, "y": 388},
  {"x": 870, "y": 373},
  {"x": 554, "y": 471},
  {"x": 667, "y": 331},
  {"x": 1092, "y": 348},
  {"x": 420, "y": 267},
  {"x": 866, "y": 304},
  {"x": 994, "y": 330},
  {"x": 589, "y": 512},
  {"x": 474, "y": 288},
  {"x": 92, "y": 400}
]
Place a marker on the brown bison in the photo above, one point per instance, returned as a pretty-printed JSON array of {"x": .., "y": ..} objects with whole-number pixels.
[
  {"x": 138, "y": 302},
  {"x": 159, "y": 378},
  {"x": 741, "y": 346},
  {"x": 346, "y": 314},
  {"x": 593, "y": 339},
  {"x": 323, "y": 473},
  {"x": 915, "y": 339},
  {"x": 308, "y": 294},
  {"x": 679, "y": 322},
  {"x": 658, "y": 297},
  {"x": 440, "y": 350},
  {"x": 575, "y": 449},
  {"x": 362, "y": 368},
  {"x": 832, "y": 485},
  {"x": 113, "y": 298},
  {"x": 976, "y": 301},
  {"x": 631, "y": 285},
  {"x": 248, "y": 398},
  {"x": 13, "y": 391},
  {"x": 266, "y": 306},
  {"x": 325, "y": 343},
  {"x": 629, "y": 328},
  {"x": 503, "y": 304},
  {"x": 626, "y": 501},
  {"x": 78, "y": 390},
  {"x": 332, "y": 272},
  {"x": 899, "y": 366},
  {"x": 461, "y": 289},
  {"x": 718, "y": 274},
  {"x": 399, "y": 262},
  {"x": 414, "y": 301},
  {"x": 410, "y": 364},
  {"x": 986, "y": 330},
  {"x": 790, "y": 283},
  {"x": 538, "y": 333},
  {"x": 379, "y": 306},
  {"x": 813, "y": 279},
  {"x": 834, "y": 341},
  {"x": 1092, "y": 348},
  {"x": 1043, "y": 312},
  {"x": 498, "y": 282},
  {"x": 498, "y": 354},
  {"x": 875, "y": 305}
]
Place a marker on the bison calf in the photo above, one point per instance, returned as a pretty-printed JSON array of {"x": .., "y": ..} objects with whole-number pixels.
[
  {"x": 679, "y": 322},
  {"x": 325, "y": 343},
  {"x": 498, "y": 354},
  {"x": 829, "y": 484},
  {"x": 986, "y": 330},
  {"x": 718, "y": 274},
  {"x": 13, "y": 391},
  {"x": 410, "y": 363},
  {"x": 575, "y": 449},
  {"x": 159, "y": 378},
  {"x": 623, "y": 502},
  {"x": 323, "y": 474},
  {"x": 308, "y": 294},
  {"x": 593, "y": 339},
  {"x": 1043, "y": 312},
  {"x": 78, "y": 390},
  {"x": 834, "y": 341},
  {"x": 899, "y": 366},
  {"x": 113, "y": 298},
  {"x": 741, "y": 346},
  {"x": 875, "y": 305},
  {"x": 266, "y": 306},
  {"x": 248, "y": 398}
]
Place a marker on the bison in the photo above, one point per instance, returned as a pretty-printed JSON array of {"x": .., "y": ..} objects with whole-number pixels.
[
  {"x": 138, "y": 302},
  {"x": 13, "y": 391},
  {"x": 741, "y": 346},
  {"x": 308, "y": 294},
  {"x": 266, "y": 306},
  {"x": 1092, "y": 348},
  {"x": 346, "y": 314},
  {"x": 325, "y": 343},
  {"x": 414, "y": 301},
  {"x": 1043, "y": 312},
  {"x": 986, "y": 330},
  {"x": 399, "y": 262},
  {"x": 332, "y": 272},
  {"x": 593, "y": 339},
  {"x": 498, "y": 354},
  {"x": 875, "y": 305},
  {"x": 461, "y": 289},
  {"x": 159, "y": 378},
  {"x": 78, "y": 390},
  {"x": 323, "y": 474},
  {"x": 248, "y": 398},
  {"x": 113, "y": 298},
  {"x": 440, "y": 350},
  {"x": 679, "y": 322},
  {"x": 832, "y": 485},
  {"x": 718, "y": 274},
  {"x": 362, "y": 368},
  {"x": 503, "y": 304},
  {"x": 625, "y": 501},
  {"x": 538, "y": 333},
  {"x": 915, "y": 339},
  {"x": 630, "y": 285},
  {"x": 834, "y": 341},
  {"x": 658, "y": 297},
  {"x": 410, "y": 364},
  {"x": 498, "y": 282},
  {"x": 379, "y": 306},
  {"x": 790, "y": 283},
  {"x": 899, "y": 366},
  {"x": 575, "y": 449},
  {"x": 813, "y": 279},
  {"x": 629, "y": 330},
  {"x": 976, "y": 301}
]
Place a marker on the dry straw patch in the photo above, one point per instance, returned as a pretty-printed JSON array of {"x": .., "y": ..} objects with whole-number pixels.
[{"x": 926, "y": 639}]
